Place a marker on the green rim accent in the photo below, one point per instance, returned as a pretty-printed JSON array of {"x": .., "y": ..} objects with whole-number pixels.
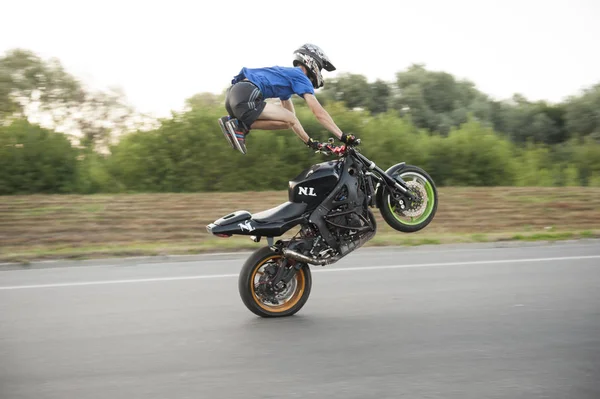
[{"x": 428, "y": 209}]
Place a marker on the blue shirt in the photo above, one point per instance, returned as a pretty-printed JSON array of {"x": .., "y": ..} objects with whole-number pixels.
[{"x": 277, "y": 82}]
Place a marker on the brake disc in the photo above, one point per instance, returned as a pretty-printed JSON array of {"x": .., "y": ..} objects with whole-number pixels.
[{"x": 416, "y": 208}]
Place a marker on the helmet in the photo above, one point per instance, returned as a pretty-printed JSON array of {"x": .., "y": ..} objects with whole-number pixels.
[{"x": 313, "y": 59}]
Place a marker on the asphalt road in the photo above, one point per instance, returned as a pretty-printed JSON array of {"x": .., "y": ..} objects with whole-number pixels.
[{"x": 459, "y": 322}]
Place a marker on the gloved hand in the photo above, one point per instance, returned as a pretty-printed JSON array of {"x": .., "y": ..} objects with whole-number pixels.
[
  {"x": 314, "y": 144},
  {"x": 349, "y": 139},
  {"x": 326, "y": 148}
]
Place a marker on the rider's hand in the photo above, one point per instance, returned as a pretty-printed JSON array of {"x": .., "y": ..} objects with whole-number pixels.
[
  {"x": 349, "y": 139},
  {"x": 325, "y": 148},
  {"x": 314, "y": 144}
]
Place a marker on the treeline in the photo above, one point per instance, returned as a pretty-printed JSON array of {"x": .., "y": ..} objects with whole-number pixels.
[
  {"x": 437, "y": 101},
  {"x": 425, "y": 118},
  {"x": 189, "y": 154}
]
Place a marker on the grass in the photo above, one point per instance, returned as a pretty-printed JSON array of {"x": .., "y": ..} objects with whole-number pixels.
[
  {"x": 544, "y": 236},
  {"x": 479, "y": 238},
  {"x": 587, "y": 234},
  {"x": 74, "y": 226}
]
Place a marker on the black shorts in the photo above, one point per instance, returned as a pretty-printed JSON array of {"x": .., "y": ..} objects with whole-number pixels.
[{"x": 245, "y": 102}]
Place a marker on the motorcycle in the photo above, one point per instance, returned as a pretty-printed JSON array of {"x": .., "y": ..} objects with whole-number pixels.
[{"x": 330, "y": 204}]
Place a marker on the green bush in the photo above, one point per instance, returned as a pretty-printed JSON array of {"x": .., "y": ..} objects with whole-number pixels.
[
  {"x": 35, "y": 160},
  {"x": 472, "y": 156},
  {"x": 93, "y": 175}
]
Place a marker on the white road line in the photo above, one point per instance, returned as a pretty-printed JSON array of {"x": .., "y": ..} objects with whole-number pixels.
[
  {"x": 345, "y": 269},
  {"x": 478, "y": 262},
  {"x": 139, "y": 280},
  {"x": 233, "y": 256}
]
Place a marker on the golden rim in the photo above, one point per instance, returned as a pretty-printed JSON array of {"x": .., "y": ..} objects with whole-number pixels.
[{"x": 300, "y": 286}]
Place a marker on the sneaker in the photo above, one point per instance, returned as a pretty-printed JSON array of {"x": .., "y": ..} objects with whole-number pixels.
[
  {"x": 238, "y": 133},
  {"x": 222, "y": 122}
]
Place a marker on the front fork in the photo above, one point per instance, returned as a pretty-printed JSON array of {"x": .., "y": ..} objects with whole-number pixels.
[{"x": 392, "y": 183}]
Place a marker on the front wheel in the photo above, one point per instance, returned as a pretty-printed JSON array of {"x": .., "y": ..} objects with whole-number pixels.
[
  {"x": 267, "y": 300},
  {"x": 405, "y": 216}
]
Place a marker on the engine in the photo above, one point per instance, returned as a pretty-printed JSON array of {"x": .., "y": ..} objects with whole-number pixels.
[{"x": 349, "y": 222}]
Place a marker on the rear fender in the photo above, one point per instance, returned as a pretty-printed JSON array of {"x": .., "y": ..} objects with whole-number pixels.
[{"x": 245, "y": 225}]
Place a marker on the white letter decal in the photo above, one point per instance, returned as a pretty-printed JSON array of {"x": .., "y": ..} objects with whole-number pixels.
[{"x": 246, "y": 226}]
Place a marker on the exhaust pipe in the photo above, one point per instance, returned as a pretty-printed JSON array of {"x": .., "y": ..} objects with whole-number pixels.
[
  {"x": 344, "y": 250},
  {"x": 307, "y": 259}
]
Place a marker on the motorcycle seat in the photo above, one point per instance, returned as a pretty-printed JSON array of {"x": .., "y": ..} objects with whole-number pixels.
[{"x": 282, "y": 213}]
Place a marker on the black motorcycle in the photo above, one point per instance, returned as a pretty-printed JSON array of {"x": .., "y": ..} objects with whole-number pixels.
[{"x": 330, "y": 204}]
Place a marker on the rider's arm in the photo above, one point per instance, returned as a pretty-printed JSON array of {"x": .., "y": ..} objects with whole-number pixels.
[
  {"x": 322, "y": 116},
  {"x": 287, "y": 104}
]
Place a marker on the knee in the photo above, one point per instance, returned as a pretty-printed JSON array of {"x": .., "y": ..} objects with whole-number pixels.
[{"x": 293, "y": 122}]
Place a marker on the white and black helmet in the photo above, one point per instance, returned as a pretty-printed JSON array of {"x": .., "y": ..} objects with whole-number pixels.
[{"x": 314, "y": 59}]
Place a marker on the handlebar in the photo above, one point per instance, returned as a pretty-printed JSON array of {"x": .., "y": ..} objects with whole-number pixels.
[{"x": 330, "y": 148}]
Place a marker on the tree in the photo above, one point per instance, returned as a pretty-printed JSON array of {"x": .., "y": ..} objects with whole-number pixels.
[
  {"x": 437, "y": 101},
  {"x": 203, "y": 100},
  {"x": 380, "y": 93},
  {"x": 349, "y": 88},
  {"x": 583, "y": 113},
  {"x": 29, "y": 83},
  {"x": 44, "y": 92}
]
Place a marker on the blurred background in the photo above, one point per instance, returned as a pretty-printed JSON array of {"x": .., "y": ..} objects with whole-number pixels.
[{"x": 110, "y": 98}]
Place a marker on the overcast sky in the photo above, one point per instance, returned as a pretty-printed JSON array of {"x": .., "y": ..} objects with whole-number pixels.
[{"x": 161, "y": 52}]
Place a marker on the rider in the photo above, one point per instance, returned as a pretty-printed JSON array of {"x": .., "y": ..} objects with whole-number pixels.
[{"x": 247, "y": 109}]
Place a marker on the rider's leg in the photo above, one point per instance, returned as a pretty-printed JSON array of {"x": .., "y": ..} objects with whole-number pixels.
[
  {"x": 252, "y": 112},
  {"x": 270, "y": 125},
  {"x": 238, "y": 131},
  {"x": 223, "y": 120},
  {"x": 244, "y": 104},
  {"x": 276, "y": 113}
]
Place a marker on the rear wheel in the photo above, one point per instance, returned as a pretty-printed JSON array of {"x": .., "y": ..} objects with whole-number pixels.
[
  {"x": 406, "y": 216},
  {"x": 267, "y": 300}
]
